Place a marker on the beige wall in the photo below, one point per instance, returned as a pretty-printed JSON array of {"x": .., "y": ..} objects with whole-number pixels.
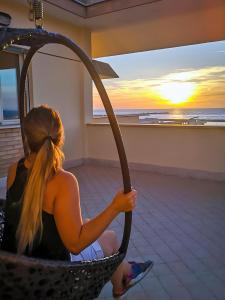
[
  {"x": 60, "y": 82},
  {"x": 175, "y": 147},
  {"x": 61, "y": 89}
]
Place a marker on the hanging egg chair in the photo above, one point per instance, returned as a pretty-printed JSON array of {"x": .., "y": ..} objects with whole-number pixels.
[{"x": 22, "y": 276}]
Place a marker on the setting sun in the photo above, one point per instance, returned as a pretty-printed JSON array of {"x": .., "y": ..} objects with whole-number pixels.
[{"x": 178, "y": 92}]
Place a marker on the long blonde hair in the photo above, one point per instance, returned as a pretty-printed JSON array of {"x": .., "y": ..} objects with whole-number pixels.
[{"x": 45, "y": 135}]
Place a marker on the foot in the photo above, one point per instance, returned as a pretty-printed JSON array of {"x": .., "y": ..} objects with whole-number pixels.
[{"x": 138, "y": 272}]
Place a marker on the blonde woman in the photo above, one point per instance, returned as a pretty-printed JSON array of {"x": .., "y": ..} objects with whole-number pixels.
[{"x": 43, "y": 214}]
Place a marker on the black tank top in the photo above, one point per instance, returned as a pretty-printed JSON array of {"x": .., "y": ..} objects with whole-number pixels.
[{"x": 49, "y": 245}]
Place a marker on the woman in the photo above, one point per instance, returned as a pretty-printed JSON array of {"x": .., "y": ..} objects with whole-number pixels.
[{"x": 43, "y": 214}]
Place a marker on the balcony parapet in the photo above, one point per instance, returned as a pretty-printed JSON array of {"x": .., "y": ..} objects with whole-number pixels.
[{"x": 183, "y": 150}]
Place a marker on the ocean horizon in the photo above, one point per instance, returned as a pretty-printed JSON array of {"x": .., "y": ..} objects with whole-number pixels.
[
  {"x": 203, "y": 112},
  {"x": 9, "y": 114},
  {"x": 210, "y": 116}
]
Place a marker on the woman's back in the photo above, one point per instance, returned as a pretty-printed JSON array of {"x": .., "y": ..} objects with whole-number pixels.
[{"x": 49, "y": 244}]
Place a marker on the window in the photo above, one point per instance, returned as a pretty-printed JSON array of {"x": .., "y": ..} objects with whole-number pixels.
[
  {"x": 9, "y": 95},
  {"x": 9, "y": 85},
  {"x": 183, "y": 85}
]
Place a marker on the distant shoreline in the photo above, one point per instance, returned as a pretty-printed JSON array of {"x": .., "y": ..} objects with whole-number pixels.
[{"x": 199, "y": 116}]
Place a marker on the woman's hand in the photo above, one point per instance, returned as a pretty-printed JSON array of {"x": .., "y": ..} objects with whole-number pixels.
[{"x": 124, "y": 202}]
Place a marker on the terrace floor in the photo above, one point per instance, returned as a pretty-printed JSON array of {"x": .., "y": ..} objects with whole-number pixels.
[{"x": 179, "y": 223}]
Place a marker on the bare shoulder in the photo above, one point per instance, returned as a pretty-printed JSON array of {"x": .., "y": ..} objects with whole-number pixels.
[
  {"x": 66, "y": 189},
  {"x": 64, "y": 178},
  {"x": 11, "y": 174}
]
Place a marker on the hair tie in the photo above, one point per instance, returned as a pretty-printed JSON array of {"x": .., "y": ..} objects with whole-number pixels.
[{"x": 48, "y": 137}]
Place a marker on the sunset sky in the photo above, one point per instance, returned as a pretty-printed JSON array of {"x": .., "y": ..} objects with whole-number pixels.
[{"x": 184, "y": 77}]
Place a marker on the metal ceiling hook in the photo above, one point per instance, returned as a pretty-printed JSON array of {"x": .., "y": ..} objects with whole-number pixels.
[{"x": 36, "y": 12}]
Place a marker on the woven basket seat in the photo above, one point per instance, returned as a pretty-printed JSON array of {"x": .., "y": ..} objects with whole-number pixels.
[{"x": 22, "y": 276}]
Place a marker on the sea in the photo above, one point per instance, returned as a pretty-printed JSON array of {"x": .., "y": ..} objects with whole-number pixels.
[
  {"x": 10, "y": 114},
  {"x": 209, "y": 116}
]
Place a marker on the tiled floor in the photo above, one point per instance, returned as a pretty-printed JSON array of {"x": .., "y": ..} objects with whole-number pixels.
[{"x": 179, "y": 223}]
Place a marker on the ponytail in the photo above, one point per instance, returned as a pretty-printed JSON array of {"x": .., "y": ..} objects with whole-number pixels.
[{"x": 48, "y": 160}]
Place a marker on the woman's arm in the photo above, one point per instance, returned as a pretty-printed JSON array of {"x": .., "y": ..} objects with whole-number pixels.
[{"x": 67, "y": 212}]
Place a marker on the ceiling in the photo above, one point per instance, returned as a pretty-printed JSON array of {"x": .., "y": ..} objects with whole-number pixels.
[
  {"x": 119, "y": 26},
  {"x": 157, "y": 25}
]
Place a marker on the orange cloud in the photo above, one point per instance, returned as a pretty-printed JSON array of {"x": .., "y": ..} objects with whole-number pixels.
[{"x": 209, "y": 83}]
